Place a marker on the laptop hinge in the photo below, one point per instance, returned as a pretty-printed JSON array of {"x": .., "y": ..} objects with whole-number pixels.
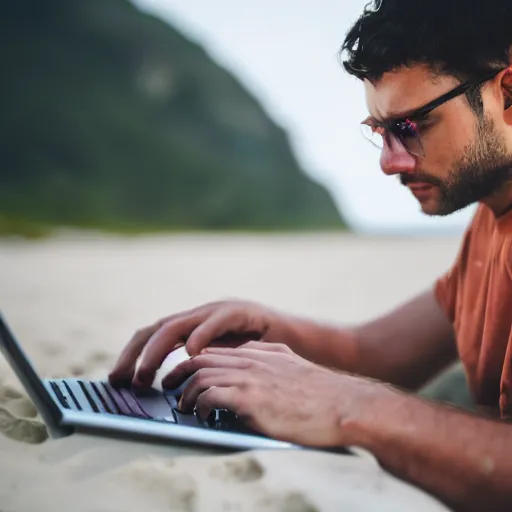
[{"x": 46, "y": 406}]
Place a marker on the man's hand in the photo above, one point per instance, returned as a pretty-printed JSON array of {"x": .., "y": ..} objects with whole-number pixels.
[
  {"x": 276, "y": 392},
  {"x": 229, "y": 323},
  {"x": 461, "y": 458},
  {"x": 405, "y": 347}
]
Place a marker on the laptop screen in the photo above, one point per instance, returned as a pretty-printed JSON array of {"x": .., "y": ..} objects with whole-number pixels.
[{"x": 28, "y": 376}]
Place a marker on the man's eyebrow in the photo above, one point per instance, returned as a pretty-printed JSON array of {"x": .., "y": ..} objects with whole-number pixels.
[{"x": 398, "y": 115}]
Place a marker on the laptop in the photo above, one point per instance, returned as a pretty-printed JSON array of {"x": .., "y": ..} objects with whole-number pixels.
[{"x": 95, "y": 407}]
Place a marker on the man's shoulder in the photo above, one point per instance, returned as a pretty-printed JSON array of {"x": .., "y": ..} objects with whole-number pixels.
[
  {"x": 478, "y": 234},
  {"x": 483, "y": 219}
]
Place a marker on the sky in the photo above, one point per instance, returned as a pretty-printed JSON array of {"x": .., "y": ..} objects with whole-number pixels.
[{"x": 286, "y": 53}]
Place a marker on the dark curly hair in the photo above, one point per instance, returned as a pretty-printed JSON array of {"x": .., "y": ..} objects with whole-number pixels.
[{"x": 462, "y": 38}]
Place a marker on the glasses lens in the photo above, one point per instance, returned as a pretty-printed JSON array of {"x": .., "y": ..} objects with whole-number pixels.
[
  {"x": 407, "y": 133},
  {"x": 414, "y": 146},
  {"x": 374, "y": 137}
]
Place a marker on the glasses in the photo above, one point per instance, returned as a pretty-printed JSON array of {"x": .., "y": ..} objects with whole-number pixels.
[{"x": 406, "y": 129}]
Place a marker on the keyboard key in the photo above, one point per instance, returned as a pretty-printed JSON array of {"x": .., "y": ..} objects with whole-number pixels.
[
  {"x": 68, "y": 394},
  {"x": 171, "y": 399},
  {"x": 222, "y": 419},
  {"x": 98, "y": 398},
  {"x": 78, "y": 395},
  {"x": 108, "y": 403},
  {"x": 190, "y": 420},
  {"x": 60, "y": 397},
  {"x": 92, "y": 402},
  {"x": 118, "y": 399},
  {"x": 132, "y": 402},
  {"x": 155, "y": 405}
]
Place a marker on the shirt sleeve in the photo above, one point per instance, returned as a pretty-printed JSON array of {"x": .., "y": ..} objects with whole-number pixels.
[
  {"x": 446, "y": 287},
  {"x": 445, "y": 291}
]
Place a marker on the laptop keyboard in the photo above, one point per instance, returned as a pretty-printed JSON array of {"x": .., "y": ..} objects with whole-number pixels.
[{"x": 101, "y": 397}]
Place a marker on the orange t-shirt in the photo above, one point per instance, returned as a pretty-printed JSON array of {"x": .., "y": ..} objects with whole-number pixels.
[{"x": 476, "y": 294}]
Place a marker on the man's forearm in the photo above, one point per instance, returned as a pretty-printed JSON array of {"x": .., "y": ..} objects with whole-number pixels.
[
  {"x": 324, "y": 344},
  {"x": 362, "y": 350},
  {"x": 405, "y": 347},
  {"x": 463, "y": 459}
]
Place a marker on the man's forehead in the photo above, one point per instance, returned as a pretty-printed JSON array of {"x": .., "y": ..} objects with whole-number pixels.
[{"x": 401, "y": 91}]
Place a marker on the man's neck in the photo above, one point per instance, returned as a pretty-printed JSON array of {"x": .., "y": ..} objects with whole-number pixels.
[{"x": 501, "y": 201}]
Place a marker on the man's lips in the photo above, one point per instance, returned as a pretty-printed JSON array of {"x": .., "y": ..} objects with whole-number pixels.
[
  {"x": 421, "y": 191},
  {"x": 419, "y": 186}
]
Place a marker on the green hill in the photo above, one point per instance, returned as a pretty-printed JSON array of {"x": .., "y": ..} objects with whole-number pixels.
[{"x": 112, "y": 118}]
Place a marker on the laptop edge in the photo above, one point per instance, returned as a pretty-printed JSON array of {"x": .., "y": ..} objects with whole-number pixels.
[
  {"x": 62, "y": 422},
  {"x": 46, "y": 406}
]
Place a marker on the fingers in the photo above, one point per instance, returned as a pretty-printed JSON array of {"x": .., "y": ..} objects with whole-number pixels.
[
  {"x": 207, "y": 378},
  {"x": 211, "y": 323},
  {"x": 225, "y": 324},
  {"x": 233, "y": 339},
  {"x": 198, "y": 329},
  {"x": 124, "y": 368},
  {"x": 268, "y": 347},
  {"x": 219, "y": 398},
  {"x": 161, "y": 344},
  {"x": 255, "y": 351},
  {"x": 183, "y": 370}
]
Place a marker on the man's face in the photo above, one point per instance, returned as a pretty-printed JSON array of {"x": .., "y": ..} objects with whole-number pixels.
[{"x": 466, "y": 159}]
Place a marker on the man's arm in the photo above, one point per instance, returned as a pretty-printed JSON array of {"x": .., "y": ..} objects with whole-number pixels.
[
  {"x": 463, "y": 459},
  {"x": 405, "y": 347}
]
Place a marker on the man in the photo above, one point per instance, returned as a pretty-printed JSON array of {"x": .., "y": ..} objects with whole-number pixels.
[{"x": 438, "y": 83}]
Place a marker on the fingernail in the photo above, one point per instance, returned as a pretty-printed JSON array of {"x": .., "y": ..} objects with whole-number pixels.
[
  {"x": 144, "y": 377},
  {"x": 116, "y": 380},
  {"x": 135, "y": 383},
  {"x": 141, "y": 381},
  {"x": 180, "y": 404},
  {"x": 122, "y": 383}
]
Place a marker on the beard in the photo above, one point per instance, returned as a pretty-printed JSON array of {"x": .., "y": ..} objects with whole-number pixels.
[{"x": 484, "y": 168}]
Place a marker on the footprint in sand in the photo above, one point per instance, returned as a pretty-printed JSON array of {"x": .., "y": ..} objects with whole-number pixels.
[
  {"x": 92, "y": 362},
  {"x": 77, "y": 370},
  {"x": 51, "y": 348},
  {"x": 286, "y": 502},
  {"x": 18, "y": 417},
  {"x": 99, "y": 357},
  {"x": 241, "y": 469},
  {"x": 19, "y": 405},
  {"x": 247, "y": 470}
]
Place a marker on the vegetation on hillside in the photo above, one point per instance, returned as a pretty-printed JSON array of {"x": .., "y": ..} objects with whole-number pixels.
[{"x": 112, "y": 118}]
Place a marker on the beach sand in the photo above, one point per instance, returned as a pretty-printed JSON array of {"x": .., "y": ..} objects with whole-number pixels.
[{"x": 74, "y": 300}]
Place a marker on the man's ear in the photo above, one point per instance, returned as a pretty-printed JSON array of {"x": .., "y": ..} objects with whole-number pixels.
[
  {"x": 506, "y": 87},
  {"x": 507, "y": 83}
]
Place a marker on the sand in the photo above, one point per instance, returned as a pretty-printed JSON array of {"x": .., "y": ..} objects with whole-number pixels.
[{"x": 74, "y": 300}]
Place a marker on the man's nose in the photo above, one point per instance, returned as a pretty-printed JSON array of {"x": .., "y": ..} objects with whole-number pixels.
[{"x": 395, "y": 159}]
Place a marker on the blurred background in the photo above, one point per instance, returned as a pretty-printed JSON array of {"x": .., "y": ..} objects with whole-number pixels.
[
  {"x": 225, "y": 135},
  {"x": 156, "y": 155},
  {"x": 174, "y": 115}
]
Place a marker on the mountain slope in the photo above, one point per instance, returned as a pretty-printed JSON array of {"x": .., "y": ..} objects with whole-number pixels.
[{"x": 111, "y": 117}]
